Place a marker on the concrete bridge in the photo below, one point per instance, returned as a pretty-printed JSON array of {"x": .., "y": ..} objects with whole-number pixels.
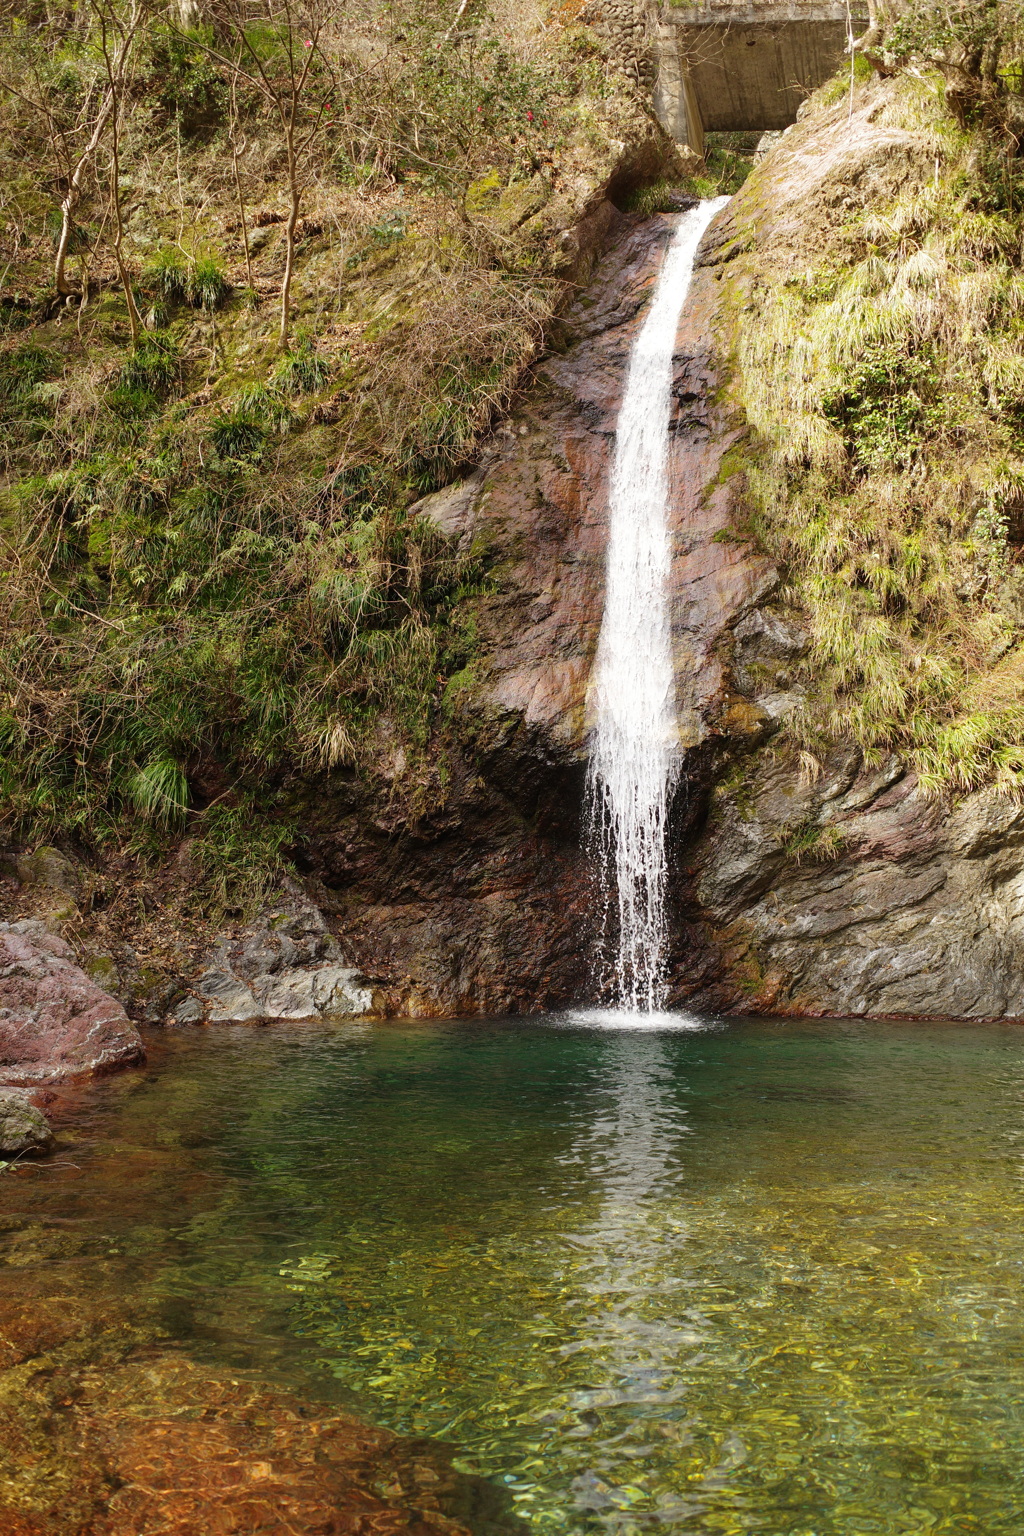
[{"x": 744, "y": 64}]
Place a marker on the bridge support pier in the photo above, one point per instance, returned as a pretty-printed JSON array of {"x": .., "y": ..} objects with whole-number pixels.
[{"x": 675, "y": 101}]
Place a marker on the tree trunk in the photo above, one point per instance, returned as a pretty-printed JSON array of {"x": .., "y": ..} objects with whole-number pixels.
[
  {"x": 237, "y": 149},
  {"x": 295, "y": 192},
  {"x": 74, "y": 195}
]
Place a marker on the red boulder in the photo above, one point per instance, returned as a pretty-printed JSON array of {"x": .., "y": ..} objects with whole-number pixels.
[{"x": 55, "y": 1022}]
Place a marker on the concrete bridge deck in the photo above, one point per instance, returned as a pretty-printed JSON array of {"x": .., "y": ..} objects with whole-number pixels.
[{"x": 745, "y": 64}]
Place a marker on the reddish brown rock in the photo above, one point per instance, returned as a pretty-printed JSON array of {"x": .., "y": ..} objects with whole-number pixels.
[
  {"x": 487, "y": 904},
  {"x": 106, "y": 1432},
  {"x": 193, "y": 1454},
  {"x": 55, "y": 1022},
  {"x": 544, "y": 505},
  {"x": 104, "y": 1436}
]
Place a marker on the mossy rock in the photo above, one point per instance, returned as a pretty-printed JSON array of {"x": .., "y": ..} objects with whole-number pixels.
[
  {"x": 23, "y": 1128},
  {"x": 102, "y": 970},
  {"x": 520, "y": 202},
  {"x": 482, "y": 195},
  {"x": 51, "y": 870}
]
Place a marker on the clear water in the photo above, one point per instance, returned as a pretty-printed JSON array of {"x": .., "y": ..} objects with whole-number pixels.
[
  {"x": 634, "y": 748},
  {"x": 756, "y": 1277}
]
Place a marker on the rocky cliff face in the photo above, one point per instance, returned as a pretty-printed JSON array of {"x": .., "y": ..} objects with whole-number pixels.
[
  {"x": 834, "y": 883},
  {"x": 477, "y": 897},
  {"x": 804, "y": 884},
  {"x": 830, "y": 884},
  {"x": 487, "y": 904},
  {"x": 921, "y": 912}
]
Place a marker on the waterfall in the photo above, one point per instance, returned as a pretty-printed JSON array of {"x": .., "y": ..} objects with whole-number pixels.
[{"x": 634, "y": 756}]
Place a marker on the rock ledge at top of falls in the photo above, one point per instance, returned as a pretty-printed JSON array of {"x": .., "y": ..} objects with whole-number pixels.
[
  {"x": 823, "y": 169},
  {"x": 55, "y": 1022}
]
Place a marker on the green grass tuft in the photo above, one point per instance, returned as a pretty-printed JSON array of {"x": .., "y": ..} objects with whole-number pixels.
[
  {"x": 199, "y": 281},
  {"x": 238, "y": 435},
  {"x": 302, "y": 372},
  {"x": 159, "y": 792}
]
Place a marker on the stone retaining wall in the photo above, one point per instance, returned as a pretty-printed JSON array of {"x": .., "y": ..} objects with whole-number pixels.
[{"x": 627, "y": 28}]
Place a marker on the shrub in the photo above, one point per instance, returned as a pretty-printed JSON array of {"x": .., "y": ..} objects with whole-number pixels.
[
  {"x": 208, "y": 286},
  {"x": 199, "y": 281},
  {"x": 167, "y": 274},
  {"x": 187, "y": 85},
  {"x": 882, "y": 410},
  {"x": 238, "y": 435},
  {"x": 978, "y": 45},
  {"x": 267, "y": 405}
]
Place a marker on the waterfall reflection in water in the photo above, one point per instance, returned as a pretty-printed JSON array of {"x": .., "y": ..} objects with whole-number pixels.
[
  {"x": 634, "y": 758},
  {"x": 632, "y": 1334}
]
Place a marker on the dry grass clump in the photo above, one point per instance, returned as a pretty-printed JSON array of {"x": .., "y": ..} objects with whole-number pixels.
[{"x": 885, "y": 388}]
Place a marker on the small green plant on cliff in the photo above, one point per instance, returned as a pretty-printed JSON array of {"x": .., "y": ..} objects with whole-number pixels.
[
  {"x": 160, "y": 792},
  {"x": 179, "y": 279},
  {"x": 302, "y": 371},
  {"x": 884, "y": 411},
  {"x": 814, "y": 844}
]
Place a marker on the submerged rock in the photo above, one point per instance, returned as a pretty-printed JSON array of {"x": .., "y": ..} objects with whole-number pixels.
[
  {"x": 55, "y": 1022},
  {"x": 23, "y": 1128},
  {"x": 110, "y": 1435}
]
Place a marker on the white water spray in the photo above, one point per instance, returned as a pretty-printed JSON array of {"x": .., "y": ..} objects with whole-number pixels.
[{"x": 634, "y": 756}]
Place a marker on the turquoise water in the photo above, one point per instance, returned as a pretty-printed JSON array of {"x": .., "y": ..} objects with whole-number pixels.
[{"x": 754, "y": 1277}]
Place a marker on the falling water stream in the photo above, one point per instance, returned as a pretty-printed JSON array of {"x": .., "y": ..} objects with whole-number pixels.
[{"x": 634, "y": 756}]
